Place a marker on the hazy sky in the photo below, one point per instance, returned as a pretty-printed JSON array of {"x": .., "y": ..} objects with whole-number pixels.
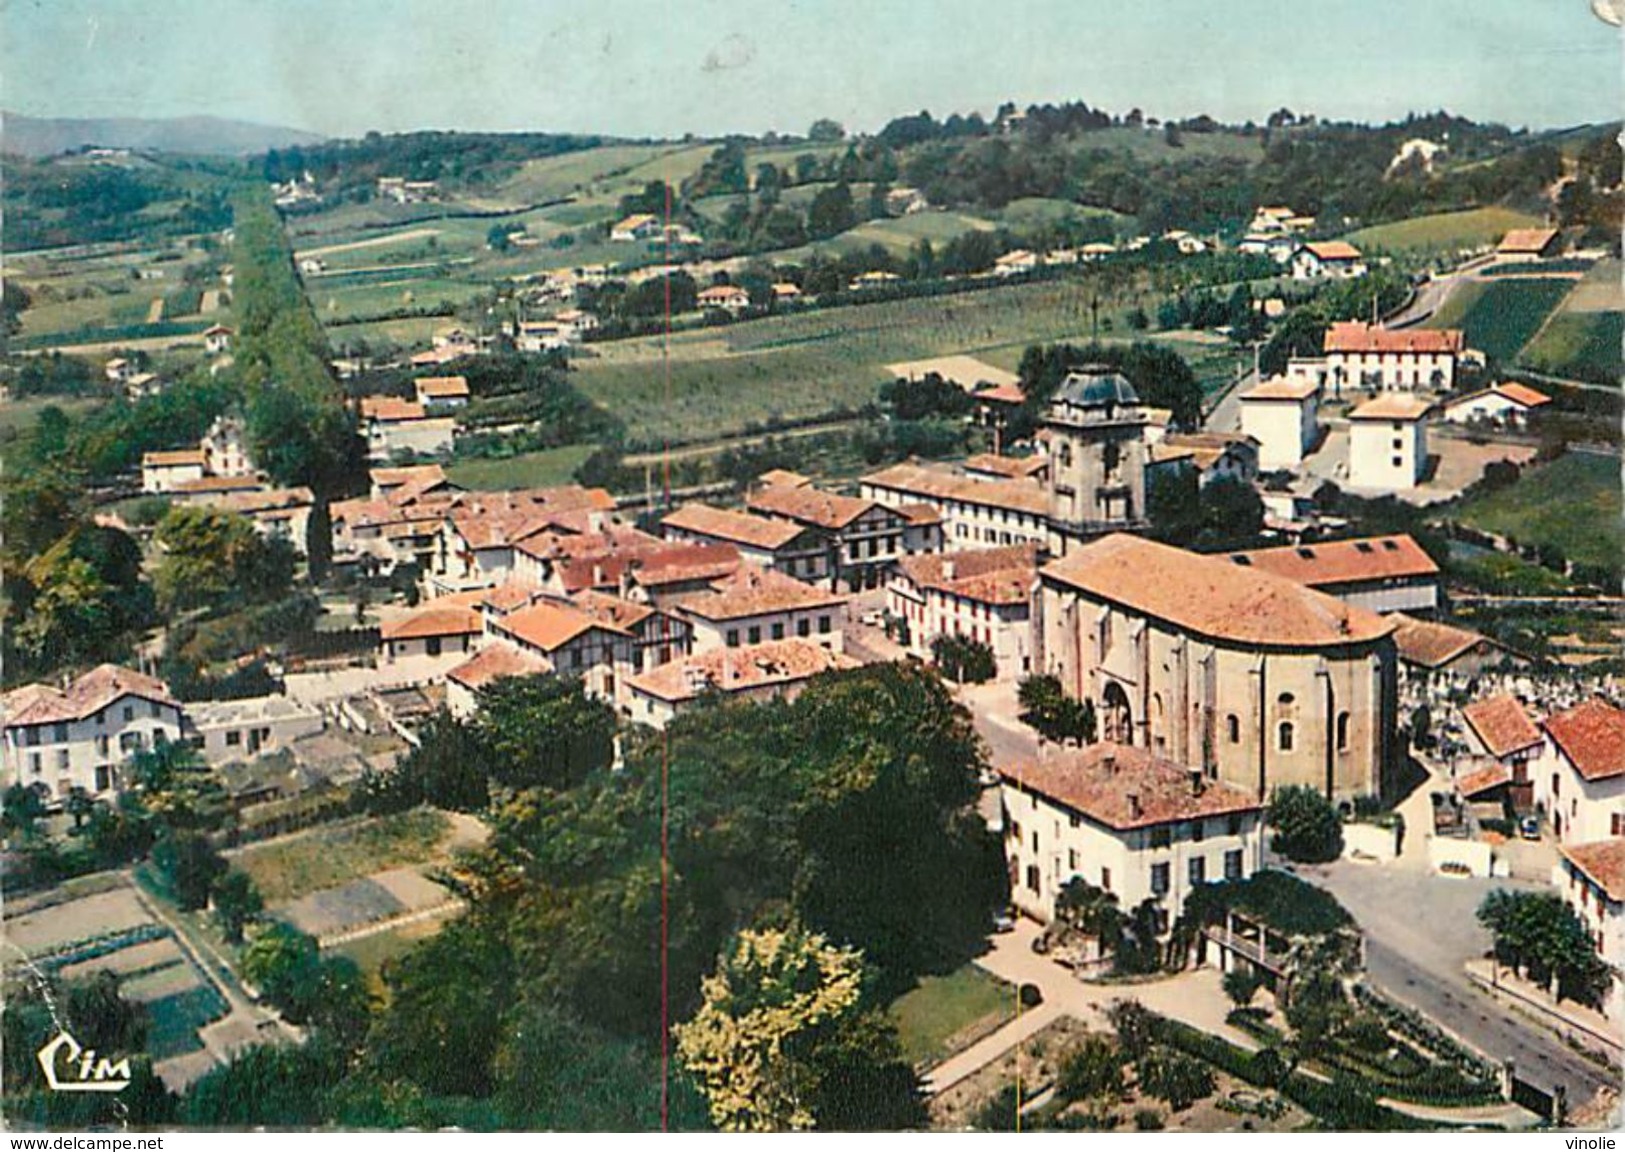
[{"x": 665, "y": 67}]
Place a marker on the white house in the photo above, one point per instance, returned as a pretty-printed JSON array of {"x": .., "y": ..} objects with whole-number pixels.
[
  {"x": 729, "y": 298},
  {"x": 575, "y": 643},
  {"x": 433, "y": 630},
  {"x": 1500, "y": 732},
  {"x": 1506, "y": 405},
  {"x": 1581, "y": 781},
  {"x": 773, "y": 669},
  {"x": 984, "y": 595},
  {"x": 975, "y": 512},
  {"x": 441, "y": 391},
  {"x": 165, "y": 471},
  {"x": 1211, "y": 455},
  {"x": 866, "y": 534},
  {"x": 495, "y": 661},
  {"x": 1281, "y": 414},
  {"x": 1125, "y": 820},
  {"x": 1591, "y": 878},
  {"x": 393, "y": 426},
  {"x": 756, "y": 605},
  {"x": 217, "y": 339},
  {"x": 1388, "y": 443},
  {"x": 1327, "y": 259},
  {"x": 59, "y": 739},
  {"x": 225, "y": 448},
  {"x": 1016, "y": 263},
  {"x": 638, "y": 226},
  {"x": 1527, "y": 244},
  {"x": 1398, "y": 359},
  {"x": 228, "y": 730}
]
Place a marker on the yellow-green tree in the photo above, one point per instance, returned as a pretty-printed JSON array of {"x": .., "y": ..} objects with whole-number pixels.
[{"x": 774, "y": 993}]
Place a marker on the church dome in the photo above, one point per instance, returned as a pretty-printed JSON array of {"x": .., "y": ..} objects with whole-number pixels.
[{"x": 1096, "y": 387}]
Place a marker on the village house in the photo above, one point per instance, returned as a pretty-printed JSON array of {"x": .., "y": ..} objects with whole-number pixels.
[
  {"x": 441, "y": 392},
  {"x": 164, "y": 471},
  {"x": 1506, "y": 405},
  {"x": 1281, "y": 414},
  {"x": 575, "y": 323},
  {"x": 1388, "y": 443},
  {"x": 404, "y": 191},
  {"x": 233, "y": 730},
  {"x": 311, "y": 266},
  {"x": 535, "y": 336},
  {"x": 118, "y": 371},
  {"x": 866, "y": 536},
  {"x": 422, "y": 478},
  {"x": 432, "y": 630},
  {"x": 396, "y": 427},
  {"x": 1429, "y": 648},
  {"x": 1212, "y": 456},
  {"x": 1017, "y": 263},
  {"x": 141, "y": 385},
  {"x": 479, "y": 531},
  {"x": 1124, "y": 820},
  {"x": 975, "y": 512},
  {"x": 1581, "y": 780},
  {"x": 576, "y": 644},
  {"x": 1504, "y": 743},
  {"x": 768, "y": 670},
  {"x": 729, "y": 298},
  {"x": 1528, "y": 244},
  {"x": 638, "y": 226},
  {"x": 57, "y": 740},
  {"x": 277, "y": 513},
  {"x": 755, "y": 605},
  {"x": 1249, "y": 677},
  {"x": 225, "y": 448},
  {"x": 1392, "y": 359},
  {"x": 871, "y": 280},
  {"x": 982, "y": 595},
  {"x": 217, "y": 339},
  {"x": 1378, "y": 573},
  {"x": 210, "y": 490},
  {"x": 493, "y": 662},
  {"x": 1327, "y": 259},
  {"x": 922, "y": 529},
  {"x": 782, "y": 545},
  {"x": 786, "y": 293},
  {"x": 1591, "y": 878},
  {"x": 659, "y": 635}
]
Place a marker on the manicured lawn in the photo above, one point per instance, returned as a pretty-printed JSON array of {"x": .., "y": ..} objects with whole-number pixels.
[
  {"x": 1500, "y": 317},
  {"x": 1442, "y": 233},
  {"x": 529, "y": 470},
  {"x": 1573, "y": 502},
  {"x": 944, "y": 1014},
  {"x": 329, "y": 857}
]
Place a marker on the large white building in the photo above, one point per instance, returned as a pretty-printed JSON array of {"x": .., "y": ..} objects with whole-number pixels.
[
  {"x": 1125, "y": 820},
  {"x": 59, "y": 739},
  {"x": 1388, "y": 443},
  {"x": 1580, "y": 781},
  {"x": 866, "y": 536},
  {"x": 1281, "y": 414},
  {"x": 1327, "y": 260},
  {"x": 1361, "y": 355},
  {"x": 983, "y": 595},
  {"x": 1254, "y": 679},
  {"x": 976, "y": 513},
  {"x": 1507, "y": 405},
  {"x": 1591, "y": 877},
  {"x": 757, "y": 605}
]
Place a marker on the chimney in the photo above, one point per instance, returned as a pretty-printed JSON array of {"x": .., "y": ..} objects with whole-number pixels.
[
  {"x": 1133, "y": 805},
  {"x": 1109, "y": 763},
  {"x": 597, "y": 575},
  {"x": 948, "y": 569}
]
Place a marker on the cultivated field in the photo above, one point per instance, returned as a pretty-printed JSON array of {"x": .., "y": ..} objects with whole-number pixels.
[
  {"x": 543, "y": 469},
  {"x": 1584, "y": 339},
  {"x": 1501, "y": 316},
  {"x": 295, "y": 866}
]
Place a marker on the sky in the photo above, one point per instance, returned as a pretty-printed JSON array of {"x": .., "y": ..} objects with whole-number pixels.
[{"x": 663, "y": 68}]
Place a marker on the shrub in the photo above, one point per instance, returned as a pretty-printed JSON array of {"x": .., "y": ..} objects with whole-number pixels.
[
  {"x": 1174, "y": 1077},
  {"x": 1094, "y": 1068},
  {"x": 1306, "y": 825},
  {"x": 1148, "y": 1120},
  {"x": 965, "y": 660}
]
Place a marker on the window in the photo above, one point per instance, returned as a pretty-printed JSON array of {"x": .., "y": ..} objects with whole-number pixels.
[
  {"x": 34, "y": 763},
  {"x": 1286, "y": 700},
  {"x": 61, "y": 759},
  {"x": 1072, "y": 859},
  {"x": 101, "y": 745},
  {"x": 1556, "y": 785},
  {"x": 1198, "y": 831},
  {"x": 104, "y": 777},
  {"x": 1035, "y": 841},
  {"x": 1232, "y": 728},
  {"x": 1616, "y": 824},
  {"x": 778, "y": 631},
  {"x": 101, "y": 718},
  {"x": 129, "y": 713},
  {"x": 1159, "y": 879},
  {"x": 733, "y": 637},
  {"x": 823, "y": 625},
  {"x": 152, "y": 709},
  {"x": 59, "y": 733},
  {"x": 1106, "y": 879},
  {"x": 1032, "y": 877},
  {"x": 575, "y": 657},
  {"x": 432, "y": 646},
  {"x": 1197, "y": 869},
  {"x": 1283, "y": 737},
  {"x": 1232, "y": 864},
  {"x": 1015, "y": 831},
  {"x": 31, "y": 737},
  {"x": 129, "y": 742},
  {"x": 233, "y": 738},
  {"x": 803, "y": 627},
  {"x": 1342, "y": 731},
  {"x": 755, "y": 633},
  {"x": 1233, "y": 824},
  {"x": 1161, "y": 836},
  {"x": 1399, "y": 445}
]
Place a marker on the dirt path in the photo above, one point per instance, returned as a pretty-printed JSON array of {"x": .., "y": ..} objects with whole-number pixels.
[{"x": 374, "y": 242}]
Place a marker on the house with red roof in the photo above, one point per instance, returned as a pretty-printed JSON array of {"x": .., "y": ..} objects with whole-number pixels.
[
  {"x": 1507, "y": 405},
  {"x": 1379, "y": 573},
  {"x": 60, "y": 738},
  {"x": 1591, "y": 878},
  {"x": 1361, "y": 355},
  {"x": 1327, "y": 259},
  {"x": 1581, "y": 780},
  {"x": 1504, "y": 742},
  {"x": 983, "y": 595},
  {"x": 1126, "y": 820}
]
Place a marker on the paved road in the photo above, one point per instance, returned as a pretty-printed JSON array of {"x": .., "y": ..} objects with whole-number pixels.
[{"x": 1420, "y": 931}]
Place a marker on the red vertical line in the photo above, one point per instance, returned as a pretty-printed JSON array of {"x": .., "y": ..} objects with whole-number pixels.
[
  {"x": 665, "y": 921},
  {"x": 665, "y": 354}
]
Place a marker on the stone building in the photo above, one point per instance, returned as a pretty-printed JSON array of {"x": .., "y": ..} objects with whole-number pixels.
[{"x": 1094, "y": 430}]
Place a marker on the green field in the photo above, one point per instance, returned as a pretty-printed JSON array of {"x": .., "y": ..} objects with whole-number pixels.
[
  {"x": 1573, "y": 503},
  {"x": 544, "y": 469},
  {"x": 18, "y": 416},
  {"x": 1501, "y": 316},
  {"x": 943, "y": 1014},
  {"x": 1442, "y": 234},
  {"x": 1580, "y": 346},
  {"x": 1035, "y": 212},
  {"x": 294, "y": 867}
]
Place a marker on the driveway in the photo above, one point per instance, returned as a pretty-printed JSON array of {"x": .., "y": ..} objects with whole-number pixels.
[{"x": 1421, "y": 929}]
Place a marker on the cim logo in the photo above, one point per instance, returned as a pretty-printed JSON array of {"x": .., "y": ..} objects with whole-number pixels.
[{"x": 70, "y": 1068}]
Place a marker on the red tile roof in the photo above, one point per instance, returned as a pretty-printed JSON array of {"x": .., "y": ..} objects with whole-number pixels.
[
  {"x": 1283, "y": 388},
  {"x": 1522, "y": 394},
  {"x": 736, "y": 527},
  {"x": 1358, "y": 336},
  {"x": 390, "y": 409},
  {"x": 1125, "y": 787},
  {"x": 496, "y": 661},
  {"x": 443, "y": 620},
  {"x": 1330, "y": 563},
  {"x": 205, "y": 485},
  {"x": 988, "y": 576},
  {"x": 1502, "y": 724},
  {"x": 936, "y": 484},
  {"x": 177, "y": 459},
  {"x": 1334, "y": 250},
  {"x": 442, "y": 387},
  {"x": 1527, "y": 240},
  {"x": 411, "y": 474},
  {"x": 1010, "y": 467},
  {"x": 1592, "y": 736},
  {"x": 1484, "y": 780},
  {"x": 1392, "y": 406},
  {"x": 778, "y": 662},
  {"x": 89, "y": 694},
  {"x": 1212, "y": 596},
  {"x": 753, "y": 591},
  {"x": 1603, "y": 861},
  {"x": 808, "y": 505},
  {"x": 550, "y": 625},
  {"x": 1430, "y": 644}
]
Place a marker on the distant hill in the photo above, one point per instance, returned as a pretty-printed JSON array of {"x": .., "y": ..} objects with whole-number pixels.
[{"x": 31, "y": 136}]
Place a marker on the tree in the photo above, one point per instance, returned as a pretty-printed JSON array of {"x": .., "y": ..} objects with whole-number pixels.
[
  {"x": 284, "y": 963},
  {"x": 1317, "y": 1008},
  {"x": 544, "y": 731},
  {"x": 188, "y": 865},
  {"x": 776, "y": 996},
  {"x": 1306, "y": 826},
  {"x": 1055, "y": 715},
  {"x": 212, "y": 557},
  {"x": 963, "y": 659},
  {"x": 21, "y": 810},
  {"x": 831, "y": 212},
  {"x": 496, "y": 238},
  {"x": 236, "y": 902},
  {"x": 1135, "y": 1025},
  {"x": 1179, "y": 1079},
  {"x": 1538, "y": 934},
  {"x": 1092, "y": 911},
  {"x": 1094, "y": 1068},
  {"x": 826, "y": 132},
  {"x": 1241, "y": 985}
]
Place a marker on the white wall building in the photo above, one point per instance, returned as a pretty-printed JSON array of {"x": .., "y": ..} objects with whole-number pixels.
[
  {"x": 774, "y": 669},
  {"x": 976, "y": 513},
  {"x": 1281, "y": 414},
  {"x": 58, "y": 739},
  {"x": 1124, "y": 820},
  {"x": 1591, "y": 877},
  {"x": 1361, "y": 355},
  {"x": 983, "y": 595},
  {"x": 1507, "y": 405},
  {"x": 1388, "y": 443},
  {"x": 228, "y": 730},
  {"x": 757, "y": 605},
  {"x": 1580, "y": 778}
]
